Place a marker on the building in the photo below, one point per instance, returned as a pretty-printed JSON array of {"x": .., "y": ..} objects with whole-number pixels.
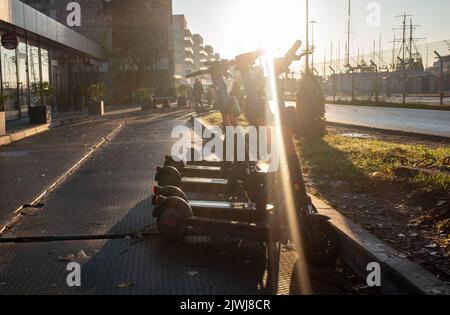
[
  {"x": 142, "y": 46},
  {"x": 210, "y": 55},
  {"x": 48, "y": 51},
  {"x": 199, "y": 52},
  {"x": 135, "y": 36},
  {"x": 190, "y": 52},
  {"x": 445, "y": 75},
  {"x": 183, "y": 48},
  {"x": 95, "y": 16}
]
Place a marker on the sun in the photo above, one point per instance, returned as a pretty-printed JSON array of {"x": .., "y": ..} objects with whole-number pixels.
[{"x": 270, "y": 24}]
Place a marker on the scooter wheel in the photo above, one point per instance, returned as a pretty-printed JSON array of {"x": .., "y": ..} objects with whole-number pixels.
[
  {"x": 169, "y": 176},
  {"x": 170, "y": 222},
  {"x": 324, "y": 251},
  {"x": 178, "y": 165},
  {"x": 172, "y": 191}
]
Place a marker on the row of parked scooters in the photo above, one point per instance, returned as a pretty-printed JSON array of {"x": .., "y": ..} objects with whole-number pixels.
[{"x": 242, "y": 200}]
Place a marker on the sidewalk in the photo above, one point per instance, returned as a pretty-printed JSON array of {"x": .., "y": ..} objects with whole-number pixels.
[
  {"x": 17, "y": 130},
  {"x": 36, "y": 162}
]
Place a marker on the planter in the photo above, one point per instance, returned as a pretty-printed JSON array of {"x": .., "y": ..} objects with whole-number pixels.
[
  {"x": 2, "y": 124},
  {"x": 182, "y": 101},
  {"x": 147, "y": 106},
  {"x": 166, "y": 104},
  {"x": 40, "y": 115},
  {"x": 96, "y": 108}
]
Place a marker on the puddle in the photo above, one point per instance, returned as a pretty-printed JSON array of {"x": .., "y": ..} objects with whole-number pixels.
[{"x": 357, "y": 135}]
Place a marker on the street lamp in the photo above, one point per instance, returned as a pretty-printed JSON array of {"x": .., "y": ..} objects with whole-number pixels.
[
  {"x": 334, "y": 83},
  {"x": 441, "y": 80},
  {"x": 403, "y": 63},
  {"x": 307, "y": 38},
  {"x": 375, "y": 85}
]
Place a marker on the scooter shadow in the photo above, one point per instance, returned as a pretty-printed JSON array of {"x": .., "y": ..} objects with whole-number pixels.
[
  {"x": 195, "y": 266},
  {"x": 308, "y": 280}
]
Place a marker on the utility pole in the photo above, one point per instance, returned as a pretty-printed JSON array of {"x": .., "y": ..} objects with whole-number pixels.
[
  {"x": 393, "y": 53},
  {"x": 339, "y": 57},
  {"x": 374, "y": 50},
  {"x": 313, "y": 48},
  {"x": 441, "y": 78},
  {"x": 307, "y": 70},
  {"x": 380, "y": 52},
  {"x": 410, "y": 41},
  {"x": 331, "y": 55}
]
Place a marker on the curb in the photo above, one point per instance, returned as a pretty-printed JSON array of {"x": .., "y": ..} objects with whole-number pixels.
[
  {"x": 32, "y": 131},
  {"x": 25, "y": 133},
  {"x": 400, "y": 276},
  {"x": 424, "y": 136}
]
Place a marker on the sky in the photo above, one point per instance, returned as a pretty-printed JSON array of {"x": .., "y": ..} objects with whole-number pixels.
[{"x": 236, "y": 26}]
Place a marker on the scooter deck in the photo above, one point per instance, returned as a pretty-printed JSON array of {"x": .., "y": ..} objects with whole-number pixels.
[
  {"x": 258, "y": 232},
  {"x": 204, "y": 171},
  {"x": 234, "y": 211},
  {"x": 209, "y": 185}
]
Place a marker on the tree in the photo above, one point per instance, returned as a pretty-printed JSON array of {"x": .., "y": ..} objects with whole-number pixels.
[{"x": 311, "y": 108}]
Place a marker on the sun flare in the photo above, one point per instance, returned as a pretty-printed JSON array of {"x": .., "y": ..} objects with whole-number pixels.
[{"x": 270, "y": 24}]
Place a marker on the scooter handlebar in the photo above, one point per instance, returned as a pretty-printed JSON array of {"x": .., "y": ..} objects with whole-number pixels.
[
  {"x": 248, "y": 58},
  {"x": 197, "y": 74},
  {"x": 224, "y": 63},
  {"x": 293, "y": 51}
]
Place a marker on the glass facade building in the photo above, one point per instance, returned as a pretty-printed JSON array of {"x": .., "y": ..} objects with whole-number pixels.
[{"x": 47, "y": 52}]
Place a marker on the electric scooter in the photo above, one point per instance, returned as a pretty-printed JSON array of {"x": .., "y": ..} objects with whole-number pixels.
[
  {"x": 177, "y": 218},
  {"x": 219, "y": 178},
  {"x": 171, "y": 176}
]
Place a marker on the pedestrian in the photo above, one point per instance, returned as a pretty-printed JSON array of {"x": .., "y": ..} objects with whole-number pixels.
[
  {"x": 211, "y": 96},
  {"x": 238, "y": 93},
  {"x": 198, "y": 94}
]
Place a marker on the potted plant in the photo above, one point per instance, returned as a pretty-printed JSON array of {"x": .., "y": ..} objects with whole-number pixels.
[
  {"x": 42, "y": 113},
  {"x": 183, "y": 92},
  {"x": 3, "y": 99},
  {"x": 144, "y": 96},
  {"x": 96, "y": 106}
]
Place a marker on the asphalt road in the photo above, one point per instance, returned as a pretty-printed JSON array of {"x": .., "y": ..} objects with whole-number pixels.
[
  {"x": 110, "y": 193},
  {"x": 428, "y": 122}
]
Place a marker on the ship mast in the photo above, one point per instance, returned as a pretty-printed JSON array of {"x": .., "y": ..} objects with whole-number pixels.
[{"x": 347, "y": 53}]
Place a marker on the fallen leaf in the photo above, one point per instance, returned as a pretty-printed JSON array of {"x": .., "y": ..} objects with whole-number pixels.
[
  {"x": 192, "y": 273},
  {"x": 125, "y": 285},
  {"x": 436, "y": 291}
]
